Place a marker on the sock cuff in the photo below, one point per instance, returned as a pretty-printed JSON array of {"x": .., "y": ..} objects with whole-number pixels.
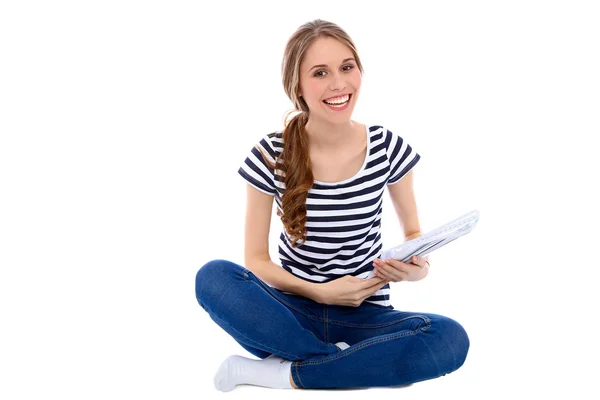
[{"x": 286, "y": 369}]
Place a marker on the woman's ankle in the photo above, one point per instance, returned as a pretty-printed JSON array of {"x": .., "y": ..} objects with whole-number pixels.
[{"x": 292, "y": 382}]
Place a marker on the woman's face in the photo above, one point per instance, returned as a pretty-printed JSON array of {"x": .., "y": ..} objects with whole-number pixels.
[{"x": 327, "y": 72}]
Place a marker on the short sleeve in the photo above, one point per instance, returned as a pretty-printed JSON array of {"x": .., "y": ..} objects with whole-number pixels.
[
  {"x": 401, "y": 156},
  {"x": 255, "y": 170}
]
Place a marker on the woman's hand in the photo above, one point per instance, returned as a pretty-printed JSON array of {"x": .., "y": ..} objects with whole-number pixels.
[
  {"x": 348, "y": 290},
  {"x": 396, "y": 271}
]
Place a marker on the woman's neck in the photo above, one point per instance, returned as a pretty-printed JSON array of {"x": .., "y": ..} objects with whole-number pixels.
[{"x": 324, "y": 135}]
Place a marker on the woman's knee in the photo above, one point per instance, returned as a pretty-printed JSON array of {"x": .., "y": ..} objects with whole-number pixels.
[
  {"x": 213, "y": 277},
  {"x": 454, "y": 343}
]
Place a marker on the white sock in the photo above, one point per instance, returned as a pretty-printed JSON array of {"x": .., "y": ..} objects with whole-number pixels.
[
  {"x": 273, "y": 372},
  {"x": 342, "y": 345}
]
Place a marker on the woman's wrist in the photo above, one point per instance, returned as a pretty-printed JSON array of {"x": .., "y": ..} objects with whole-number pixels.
[
  {"x": 311, "y": 290},
  {"x": 413, "y": 236}
]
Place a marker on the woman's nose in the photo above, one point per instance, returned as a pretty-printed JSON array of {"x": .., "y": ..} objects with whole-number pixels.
[{"x": 338, "y": 82}]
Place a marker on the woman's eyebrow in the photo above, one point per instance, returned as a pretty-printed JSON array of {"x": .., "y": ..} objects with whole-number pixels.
[{"x": 325, "y": 65}]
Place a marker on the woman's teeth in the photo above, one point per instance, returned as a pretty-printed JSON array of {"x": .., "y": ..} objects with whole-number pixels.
[{"x": 338, "y": 101}]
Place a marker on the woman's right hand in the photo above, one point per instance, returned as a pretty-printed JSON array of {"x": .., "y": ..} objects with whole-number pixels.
[{"x": 348, "y": 290}]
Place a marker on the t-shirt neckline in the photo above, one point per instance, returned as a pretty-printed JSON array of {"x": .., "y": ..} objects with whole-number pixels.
[{"x": 361, "y": 168}]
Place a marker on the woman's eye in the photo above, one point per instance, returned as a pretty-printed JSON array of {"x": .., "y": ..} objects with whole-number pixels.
[{"x": 351, "y": 66}]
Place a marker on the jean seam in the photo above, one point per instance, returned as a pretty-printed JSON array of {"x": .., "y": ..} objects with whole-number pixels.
[
  {"x": 254, "y": 343},
  {"x": 433, "y": 356},
  {"x": 269, "y": 289},
  {"x": 367, "y": 343},
  {"x": 349, "y": 324},
  {"x": 300, "y": 384},
  {"x": 325, "y": 323}
]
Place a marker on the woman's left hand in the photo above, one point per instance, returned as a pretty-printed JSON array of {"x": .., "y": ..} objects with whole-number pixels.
[{"x": 396, "y": 271}]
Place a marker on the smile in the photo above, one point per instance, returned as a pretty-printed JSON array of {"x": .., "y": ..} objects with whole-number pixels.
[{"x": 338, "y": 103}]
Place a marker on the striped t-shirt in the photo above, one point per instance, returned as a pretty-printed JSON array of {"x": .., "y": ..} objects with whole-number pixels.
[{"x": 343, "y": 218}]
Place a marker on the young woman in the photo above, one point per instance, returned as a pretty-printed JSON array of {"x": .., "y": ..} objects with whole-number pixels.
[{"x": 314, "y": 321}]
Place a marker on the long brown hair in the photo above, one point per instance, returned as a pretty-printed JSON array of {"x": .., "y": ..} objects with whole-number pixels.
[{"x": 294, "y": 160}]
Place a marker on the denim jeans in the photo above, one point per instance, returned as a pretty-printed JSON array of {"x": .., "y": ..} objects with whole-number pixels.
[{"x": 387, "y": 347}]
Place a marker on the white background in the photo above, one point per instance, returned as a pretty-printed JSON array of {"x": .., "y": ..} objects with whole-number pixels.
[{"x": 122, "y": 128}]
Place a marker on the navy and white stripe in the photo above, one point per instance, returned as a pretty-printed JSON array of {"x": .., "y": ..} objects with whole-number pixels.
[{"x": 343, "y": 218}]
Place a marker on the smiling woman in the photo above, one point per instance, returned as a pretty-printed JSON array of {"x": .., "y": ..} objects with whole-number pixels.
[
  {"x": 334, "y": 82},
  {"x": 313, "y": 321}
]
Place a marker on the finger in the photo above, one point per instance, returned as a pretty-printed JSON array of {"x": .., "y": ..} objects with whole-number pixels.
[
  {"x": 389, "y": 273},
  {"x": 372, "y": 282},
  {"x": 378, "y": 288},
  {"x": 387, "y": 276},
  {"x": 420, "y": 261},
  {"x": 406, "y": 267},
  {"x": 396, "y": 267},
  {"x": 379, "y": 281},
  {"x": 401, "y": 273},
  {"x": 373, "y": 291},
  {"x": 364, "y": 293}
]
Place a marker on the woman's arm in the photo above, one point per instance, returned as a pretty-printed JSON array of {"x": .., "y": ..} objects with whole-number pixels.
[
  {"x": 259, "y": 207},
  {"x": 267, "y": 271},
  {"x": 403, "y": 198}
]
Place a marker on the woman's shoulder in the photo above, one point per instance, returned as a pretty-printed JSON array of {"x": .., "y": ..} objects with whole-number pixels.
[
  {"x": 385, "y": 131},
  {"x": 272, "y": 142},
  {"x": 275, "y": 136},
  {"x": 375, "y": 129}
]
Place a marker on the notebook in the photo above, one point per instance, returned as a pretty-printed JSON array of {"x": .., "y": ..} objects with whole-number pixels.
[{"x": 432, "y": 240}]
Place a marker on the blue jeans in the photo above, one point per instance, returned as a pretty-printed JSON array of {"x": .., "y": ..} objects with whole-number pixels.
[{"x": 387, "y": 347}]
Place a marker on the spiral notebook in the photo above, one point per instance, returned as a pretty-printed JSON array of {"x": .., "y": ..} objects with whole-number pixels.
[{"x": 432, "y": 240}]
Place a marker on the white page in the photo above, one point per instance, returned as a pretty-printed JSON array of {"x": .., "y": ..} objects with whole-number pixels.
[{"x": 432, "y": 240}]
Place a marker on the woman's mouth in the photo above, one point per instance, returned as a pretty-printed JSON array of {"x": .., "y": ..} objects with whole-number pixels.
[{"x": 338, "y": 103}]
